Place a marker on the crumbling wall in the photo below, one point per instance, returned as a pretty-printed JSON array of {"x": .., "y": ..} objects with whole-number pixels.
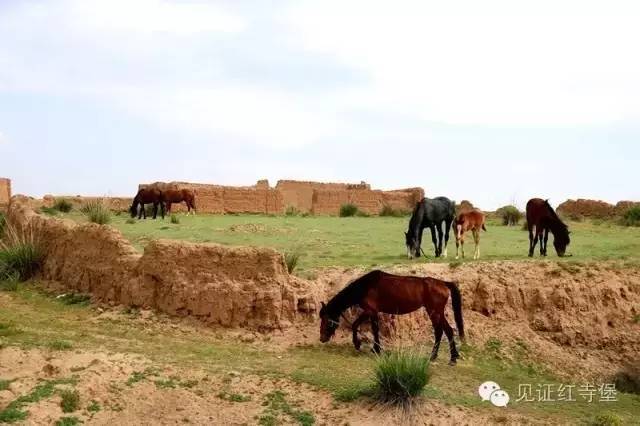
[
  {"x": 5, "y": 192},
  {"x": 328, "y": 201},
  {"x": 586, "y": 208},
  {"x": 229, "y": 286}
]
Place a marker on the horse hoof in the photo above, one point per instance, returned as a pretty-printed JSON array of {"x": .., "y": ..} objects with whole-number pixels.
[
  {"x": 376, "y": 350},
  {"x": 452, "y": 362},
  {"x": 357, "y": 346}
]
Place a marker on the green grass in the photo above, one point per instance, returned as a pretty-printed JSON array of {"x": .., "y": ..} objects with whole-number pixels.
[
  {"x": 277, "y": 405},
  {"x": 14, "y": 411},
  {"x": 93, "y": 407},
  {"x": 175, "y": 219},
  {"x": 68, "y": 421},
  {"x": 62, "y": 205},
  {"x": 401, "y": 375},
  {"x": 70, "y": 400},
  {"x": 35, "y": 318},
  {"x": 373, "y": 241},
  {"x": 234, "y": 397},
  {"x": 96, "y": 212}
]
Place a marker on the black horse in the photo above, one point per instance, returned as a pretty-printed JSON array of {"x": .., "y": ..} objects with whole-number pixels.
[
  {"x": 147, "y": 196},
  {"x": 541, "y": 218},
  {"x": 430, "y": 213}
]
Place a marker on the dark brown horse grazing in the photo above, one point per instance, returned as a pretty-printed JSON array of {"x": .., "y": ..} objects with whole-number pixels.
[
  {"x": 541, "y": 218},
  {"x": 144, "y": 196},
  {"x": 178, "y": 196},
  {"x": 469, "y": 220},
  {"x": 379, "y": 291}
]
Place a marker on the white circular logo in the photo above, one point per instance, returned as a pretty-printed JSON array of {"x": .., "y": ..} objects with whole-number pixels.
[{"x": 486, "y": 389}]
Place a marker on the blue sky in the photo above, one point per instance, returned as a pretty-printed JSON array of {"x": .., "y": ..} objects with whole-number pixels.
[{"x": 494, "y": 101}]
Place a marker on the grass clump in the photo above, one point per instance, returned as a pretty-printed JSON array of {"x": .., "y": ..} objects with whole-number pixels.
[
  {"x": 291, "y": 259},
  {"x": 62, "y": 205},
  {"x": 389, "y": 211},
  {"x": 93, "y": 407},
  {"x": 20, "y": 254},
  {"x": 632, "y": 217},
  {"x": 234, "y": 397},
  {"x": 4, "y": 384},
  {"x": 628, "y": 380},
  {"x": 97, "y": 212},
  {"x": 175, "y": 219},
  {"x": 74, "y": 299},
  {"x": 49, "y": 211},
  {"x": 130, "y": 221},
  {"x": 348, "y": 210},
  {"x": 276, "y": 404},
  {"x": 606, "y": 419},
  {"x": 400, "y": 376},
  {"x": 291, "y": 211},
  {"x": 68, "y": 421},
  {"x": 3, "y": 223},
  {"x": 70, "y": 400},
  {"x": 60, "y": 345},
  {"x": 510, "y": 215}
]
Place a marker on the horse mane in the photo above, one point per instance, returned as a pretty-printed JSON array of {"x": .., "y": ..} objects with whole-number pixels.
[
  {"x": 553, "y": 214},
  {"x": 352, "y": 294},
  {"x": 416, "y": 218},
  {"x": 558, "y": 227}
]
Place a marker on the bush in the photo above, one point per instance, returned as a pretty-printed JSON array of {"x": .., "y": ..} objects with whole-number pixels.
[
  {"x": 348, "y": 210},
  {"x": 632, "y": 217},
  {"x": 628, "y": 380},
  {"x": 291, "y": 259},
  {"x": 510, "y": 215},
  {"x": 62, "y": 205},
  {"x": 291, "y": 211},
  {"x": 175, "y": 219},
  {"x": 606, "y": 419},
  {"x": 130, "y": 221},
  {"x": 390, "y": 211},
  {"x": 70, "y": 400},
  {"x": 20, "y": 254},
  {"x": 49, "y": 211},
  {"x": 96, "y": 212},
  {"x": 400, "y": 376}
]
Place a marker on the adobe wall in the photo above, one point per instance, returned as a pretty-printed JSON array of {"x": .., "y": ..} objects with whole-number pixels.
[
  {"x": 5, "y": 192},
  {"x": 328, "y": 201},
  {"x": 594, "y": 208},
  {"x": 228, "y": 286}
]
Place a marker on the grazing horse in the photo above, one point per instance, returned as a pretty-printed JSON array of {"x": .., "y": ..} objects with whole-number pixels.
[
  {"x": 470, "y": 220},
  {"x": 147, "y": 196},
  {"x": 178, "y": 196},
  {"x": 542, "y": 218},
  {"x": 430, "y": 213},
  {"x": 379, "y": 291}
]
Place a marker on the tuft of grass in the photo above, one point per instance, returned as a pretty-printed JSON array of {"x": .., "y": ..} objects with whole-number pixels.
[
  {"x": 636, "y": 319},
  {"x": 291, "y": 211},
  {"x": 175, "y": 219},
  {"x": 606, "y": 419},
  {"x": 276, "y": 404},
  {"x": 4, "y": 384},
  {"x": 20, "y": 254},
  {"x": 166, "y": 384},
  {"x": 60, "y": 345},
  {"x": 68, "y": 421},
  {"x": 455, "y": 264},
  {"x": 291, "y": 259},
  {"x": 74, "y": 299},
  {"x": 510, "y": 215},
  {"x": 493, "y": 345},
  {"x": 628, "y": 379},
  {"x": 138, "y": 376},
  {"x": 130, "y": 221},
  {"x": 632, "y": 217},
  {"x": 93, "y": 407},
  {"x": 3, "y": 222},
  {"x": 234, "y": 397},
  {"x": 70, "y": 400},
  {"x": 348, "y": 210},
  {"x": 49, "y": 211},
  {"x": 62, "y": 205},
  {"x": 389, "y": 211},
  {"x": 400, "y": 376},
  {"x": 14, "y": 412},
  {"x": 97, "y": 212}
]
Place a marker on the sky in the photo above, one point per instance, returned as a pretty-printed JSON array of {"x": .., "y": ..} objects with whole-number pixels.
[{"x": 494, "y": 101}]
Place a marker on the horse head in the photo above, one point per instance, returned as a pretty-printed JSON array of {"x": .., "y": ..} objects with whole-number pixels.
[
  {"x": 328, "y": 324},
  {"x": 413, "y": 245},
  {"x": 560, "y": 241}
]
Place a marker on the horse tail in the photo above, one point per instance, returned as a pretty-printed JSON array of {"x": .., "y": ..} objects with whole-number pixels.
[
  {"x": 484, "y": 228},
  {"x": 456, "y": 302}
]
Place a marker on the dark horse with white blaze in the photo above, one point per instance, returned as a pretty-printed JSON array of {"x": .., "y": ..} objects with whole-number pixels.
[
  {"x": 379, "y": 291},
  {"x": 430, "y": 213},
  {"x": 541, "y": 218},
  {"x": 149, "y": 195}
]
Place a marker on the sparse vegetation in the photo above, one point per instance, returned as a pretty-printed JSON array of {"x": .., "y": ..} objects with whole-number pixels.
[
  {"x": 62, "y": 205},
  {"x": 291, "y": 259},
  {"x": 291, "y": 211},
  {"x": 68, "y": 421},
  {"x": 493, "y": 345},
  {"x": 93, "y": 407},
  {"x": 130, "y": 221},
  {"x": 510, "y": 215},
  {"x": 14, "y": 412},
  {"x": 348, "y": 210},
  {"x": 400, "y": 376},
  {"x": 97, "y": 212},
  {"x": 74, "y": 299},
  {"x": 234, "y": 397},
  {"x": 70, "y": 401},
  {"x": 4, "y": 384},
  {"x": 607, "y": 419},
  {"x": 20, "y": 254},
  {"x": 389, "y": 211},
  {"x": 49, "y": 211},
  {"x": 632, "y": 217},
  {"x": 60, "y": 345},
  {"x": 277, "y": 405},
  {"x": 174, "y": 219}
]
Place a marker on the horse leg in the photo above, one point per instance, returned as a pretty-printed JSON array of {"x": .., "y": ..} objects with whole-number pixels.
[
  {"x": 437, "y": 331},
  {"x": 155, "y": 210},
  {"x": 447, "y": 224},
  {"x": 354, "y": 329},
  {"x": 434, "y": 239},
  {"x": 440, "y": 237},
  {"x": 375, "y": 328},
  {"x": 546, "y": 238},
  {"x": 533, "y": 239},
  {"x": 476, "y": 240},
  {"x": 539, "y": 236},
  {"x": 143, "y": 212},
  {"x": 452, "y": 343}
]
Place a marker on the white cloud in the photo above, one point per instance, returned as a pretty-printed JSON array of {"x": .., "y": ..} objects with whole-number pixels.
[
  {"x": 3, "y": 139},
  {"x": 488, "y": 63}
]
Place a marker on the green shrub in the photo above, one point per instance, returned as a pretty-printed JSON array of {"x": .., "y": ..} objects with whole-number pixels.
[
  {"x": 49, "y": 211},
  {"x": 628, "y": 380},
  {"x": 606, "y": 419},
  {"x": 291, "y": 211},
  {"x": 291, "y": 259},
  {"x": 20, "y": 254},
  {"x": 175, "y": 219},
  {"x": 400, "y": 375},
  {"x": 63, "y": 205},
  {"x": 70, "y": 400},
  {"x": 348, "y": 210},
  {"x": 510, "y": 215},
  {"x": 68, "y": 421},
  {"x": 130, "y": 221},
  {"x": 390, "y": 211},
  {"x": 632, "y": 217},
  {"x": 97, "y": 212}
]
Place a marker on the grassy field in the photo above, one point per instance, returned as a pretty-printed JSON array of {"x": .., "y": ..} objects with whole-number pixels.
[
  {"x": 30, "y": 318},
  {"x": 368, "y": 241}
]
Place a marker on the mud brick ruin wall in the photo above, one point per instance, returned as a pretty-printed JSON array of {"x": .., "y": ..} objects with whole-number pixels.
[
  {"x": 594, "y": 209},
  {"x": 5, "y": 192}
]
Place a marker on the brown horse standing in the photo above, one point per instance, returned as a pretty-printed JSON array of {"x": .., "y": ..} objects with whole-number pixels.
[
  {"x": 146, "y": 196},
  {"x": 178, "y": 196},
  {"x": 470, "y": 220},
  {"x": 379, "y": 291},
  {"x": 541, "y": 218}
]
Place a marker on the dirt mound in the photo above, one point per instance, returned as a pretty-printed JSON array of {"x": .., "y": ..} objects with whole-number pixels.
[
  {"x": 581, "y": 208},
  {"x": 229, "y": 286},
  {"x": 248, "y": 228}
]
